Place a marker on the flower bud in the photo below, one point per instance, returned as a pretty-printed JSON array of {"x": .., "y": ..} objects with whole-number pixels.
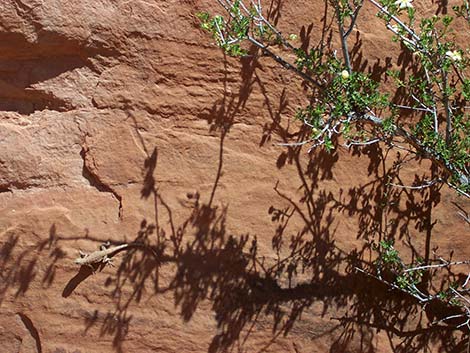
[{"x": 293, "y": 36}]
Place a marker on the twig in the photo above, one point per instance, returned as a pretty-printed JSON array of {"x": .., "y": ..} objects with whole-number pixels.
[
  {"x": 343, "y": 38},
  {"x": 446, "y": 264},
  {"x": 414, "y": 108},
  {"x": 465, "y": 217},
  {"x": 362, "y": 143},
  {"x": 417, "y": 187},
  {"x": 466, "y": 281},
  {"x": 354, "y": 18},
  {"x": 448, "y": 318},
  {"x": 422, "y": 298},
  {"x": 396, "y": 19},
  {"x": 460, "y": 191}
]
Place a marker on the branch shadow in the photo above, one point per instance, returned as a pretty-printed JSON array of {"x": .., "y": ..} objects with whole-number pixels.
[
  {"x": 247, "y": 290},
  {"x": 274, "y": 11},
  {"x": 18, "y": 262},
  {"x": 388, "y": 213}
]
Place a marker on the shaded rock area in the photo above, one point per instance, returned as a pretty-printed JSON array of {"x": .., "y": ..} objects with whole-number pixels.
[{"x": 120, "y": 121}]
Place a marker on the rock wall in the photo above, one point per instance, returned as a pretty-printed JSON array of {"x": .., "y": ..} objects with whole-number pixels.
[{"x": 120, "y": 121}]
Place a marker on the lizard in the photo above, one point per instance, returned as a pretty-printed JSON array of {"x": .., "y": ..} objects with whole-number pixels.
[{"x": 103, "y": 255}]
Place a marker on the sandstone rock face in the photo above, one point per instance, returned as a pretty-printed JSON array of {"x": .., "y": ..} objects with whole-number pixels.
[{"x": 120, "y": 121}]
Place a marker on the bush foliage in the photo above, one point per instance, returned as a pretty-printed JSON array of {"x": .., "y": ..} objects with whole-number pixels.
[{"x": 427, "y": 114}]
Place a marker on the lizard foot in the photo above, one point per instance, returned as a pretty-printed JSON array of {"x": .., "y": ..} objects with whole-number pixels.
[
  {"x": 108, "y": 261},
  {"x": 105, "y": 245}
]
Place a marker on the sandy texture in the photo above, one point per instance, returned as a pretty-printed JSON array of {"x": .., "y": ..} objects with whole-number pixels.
[{"x": 120, "y": 121}]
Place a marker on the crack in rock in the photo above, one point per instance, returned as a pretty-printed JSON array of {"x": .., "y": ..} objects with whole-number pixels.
[
  {"x": 29, "y": 326},
  {"x": 94, "y": 179}
]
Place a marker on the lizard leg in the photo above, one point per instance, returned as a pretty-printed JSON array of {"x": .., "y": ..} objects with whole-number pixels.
[
  {"x": 108, "y": 261},
  {"x": 82, "y": 254},
  {"x": 92, "y": 268},
  {"x": 105, "y": 245}
]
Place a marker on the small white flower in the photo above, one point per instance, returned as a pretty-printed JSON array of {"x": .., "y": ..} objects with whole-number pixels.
[
  {"x": 293, "y": 36},
  {"x": 345, "y": 74},
  {"x": 394, "y": 28},
  {"x": 404, "y": 4},
  {"x": 454, "y": 55}
]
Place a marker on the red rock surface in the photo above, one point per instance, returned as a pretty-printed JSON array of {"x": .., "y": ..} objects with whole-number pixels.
[{"x": 121, "y": 122}]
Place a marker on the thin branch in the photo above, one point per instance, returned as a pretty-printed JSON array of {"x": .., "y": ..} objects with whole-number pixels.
[
  {"x": 447, "y": 264},
  {"x": 449, "y": 318},
  {"x": 397, "y": 20},
  {"x": 343, "y": 38},
  {"x": 403, "y": 38},
  {"x": 466, "y": 281},
  {"x": 465, "y": 217},
  {"x": 417, "y": 187},
  {"x": 354, "y": 18},
  {"x": 445, "y": 101},
  {"x": 272, "y": 28},
  {"x": 362, "y": 143},
  {"x": 460, "y": 191},
  {"x": 421, "y": 298},
  {"x": 460, "y": 295},
  {"x": 413, "y": 108}
]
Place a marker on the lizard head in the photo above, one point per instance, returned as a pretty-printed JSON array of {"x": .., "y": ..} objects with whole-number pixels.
[{"x": 78, "y": 261}]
